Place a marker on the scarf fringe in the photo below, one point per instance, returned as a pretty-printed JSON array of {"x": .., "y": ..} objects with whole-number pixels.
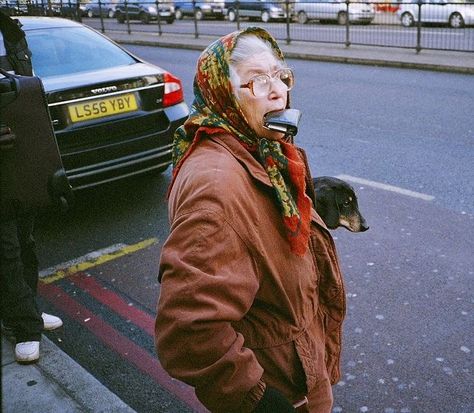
[{"x": 298, "y": 234}]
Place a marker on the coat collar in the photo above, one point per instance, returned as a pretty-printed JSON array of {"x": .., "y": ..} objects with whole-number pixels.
[{"x": 254, "y": 168}]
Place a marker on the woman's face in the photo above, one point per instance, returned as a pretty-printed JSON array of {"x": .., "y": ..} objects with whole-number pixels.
[{"x": 254, "y": 108}]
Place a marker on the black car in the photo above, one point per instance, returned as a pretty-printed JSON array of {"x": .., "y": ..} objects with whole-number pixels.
[
  {"x": 145, "y": 11},
  {"x": 113, "y": 114}
]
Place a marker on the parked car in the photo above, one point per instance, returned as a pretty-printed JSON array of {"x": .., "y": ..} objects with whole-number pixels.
[
  {"x": 201, "y": 9},
  {"x": 144, "y": 11},
  {"x": 13, "y": 7},
  {"x": 455, "y": 14},
  {"x": 334, "y": 11},
  {"x": 65, "y": 8},
  {"x": 264, "y": 10},
  {"x": 96, "y": 8},
  {"x": 114, "y": 115}
]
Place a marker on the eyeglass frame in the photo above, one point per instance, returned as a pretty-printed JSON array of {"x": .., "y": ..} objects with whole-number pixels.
[{"x": 249, "y": 84}]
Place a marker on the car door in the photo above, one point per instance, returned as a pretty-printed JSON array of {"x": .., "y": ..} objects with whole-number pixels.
[
  {"x": 326, "y": 9},
  {"x": 432, "y": 11},
  {"x": 251, "y": 8}
]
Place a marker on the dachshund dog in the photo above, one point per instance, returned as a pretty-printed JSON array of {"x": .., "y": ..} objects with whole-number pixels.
[{"x": 336, "y": 204}]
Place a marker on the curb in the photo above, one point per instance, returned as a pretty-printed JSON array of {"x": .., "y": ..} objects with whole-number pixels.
[
  {"x": 78, "y": 383},
  {"x": 55, "y": 384}
]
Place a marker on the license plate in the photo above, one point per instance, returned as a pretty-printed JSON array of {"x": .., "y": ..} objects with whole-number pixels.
[{"x": 99, "y": 108}]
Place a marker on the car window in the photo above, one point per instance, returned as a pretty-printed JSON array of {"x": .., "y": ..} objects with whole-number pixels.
[{"x": 72, "y": 50}]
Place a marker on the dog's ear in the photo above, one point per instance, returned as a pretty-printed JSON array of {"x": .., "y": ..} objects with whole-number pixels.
[{"x": 326, "y": 206}]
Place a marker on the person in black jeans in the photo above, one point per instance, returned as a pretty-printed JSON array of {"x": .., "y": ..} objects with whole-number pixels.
[{"x": 20, "y": 316}]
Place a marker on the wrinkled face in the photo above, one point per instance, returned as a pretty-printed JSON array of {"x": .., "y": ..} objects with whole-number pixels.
[{"x": 254, "y": 108}]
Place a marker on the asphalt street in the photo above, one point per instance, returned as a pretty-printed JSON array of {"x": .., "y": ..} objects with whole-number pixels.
[{"x": 403, "y": 138}]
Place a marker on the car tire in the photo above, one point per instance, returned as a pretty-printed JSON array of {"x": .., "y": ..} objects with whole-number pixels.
[
  {"x": 232, "y": 16},
  {"x": 178, "y": 14},
  {"x": 456, "y": 21},
  {"x": 90, "y": 14},
  {"x": 302, "y": 17},
  {"x": 120, "y": 18},
  {"x": 407, "y": 20},
  {"x": 342, "y": 18},
  {"x": 110, "y": 14},
  {"x": 170, "y": 20},
  {"x": 198, "y": 14},
  {"x": 144, "y": 18},
  {"x": 265, "y": 16}
]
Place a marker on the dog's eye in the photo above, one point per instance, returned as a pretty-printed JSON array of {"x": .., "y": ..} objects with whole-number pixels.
[{"x": 347, "y": 203}]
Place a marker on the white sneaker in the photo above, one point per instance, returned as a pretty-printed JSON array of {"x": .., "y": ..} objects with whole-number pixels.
[
  {"x": 27, "y": 352},
  {"x": 51, "y": 322}
]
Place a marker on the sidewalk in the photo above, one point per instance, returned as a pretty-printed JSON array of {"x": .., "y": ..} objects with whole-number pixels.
[
  {"x": 446, "y": 61},
  {"x": 56, "y": 384}
]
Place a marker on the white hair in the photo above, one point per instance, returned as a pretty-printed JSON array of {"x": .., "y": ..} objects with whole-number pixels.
[{"x": 246, "y": 47}]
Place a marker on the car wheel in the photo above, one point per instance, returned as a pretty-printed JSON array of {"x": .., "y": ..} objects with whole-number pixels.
[
  {"x": 90, "y": 14},
  {"x": 456, "y": 21},
  {"x": 198, "y": 14},
  {"x": 407, "y": 20},
  {"x": 302, "y": 17},
  {"x": 265, "y": 17},
  {"x": 342, "y": 18},
  {"x": 144, "y": 18},
  {"x": 120, "y": 18},
  {"x": 178, "y": 14},
  {"x": 170, "y": 20},
  {"x": 231, "y": 15},
  {"x": 110, "y": 14}
]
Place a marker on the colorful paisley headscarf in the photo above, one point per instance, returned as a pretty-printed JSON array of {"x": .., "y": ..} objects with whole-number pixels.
[{"x": 215, "y": 109}]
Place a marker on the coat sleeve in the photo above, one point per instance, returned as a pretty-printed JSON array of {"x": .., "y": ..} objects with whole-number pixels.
[{"x": 208, "y": 281}]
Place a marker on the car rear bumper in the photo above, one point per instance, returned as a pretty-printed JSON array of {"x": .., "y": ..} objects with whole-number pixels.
[{"x": 92, "y": 166}]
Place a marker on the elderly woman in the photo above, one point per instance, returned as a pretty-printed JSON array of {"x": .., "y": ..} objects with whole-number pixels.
[{"x": 252, "y": 298}]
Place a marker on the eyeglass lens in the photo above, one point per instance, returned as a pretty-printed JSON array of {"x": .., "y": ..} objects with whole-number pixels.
[{"x": 261, "y": 84}]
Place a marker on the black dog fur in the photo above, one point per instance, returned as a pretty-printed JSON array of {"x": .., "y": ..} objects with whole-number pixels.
[{"x": 336, "y": 204}]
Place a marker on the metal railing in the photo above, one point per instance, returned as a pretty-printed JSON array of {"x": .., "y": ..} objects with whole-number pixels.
[{"x": 416, "y": 24}]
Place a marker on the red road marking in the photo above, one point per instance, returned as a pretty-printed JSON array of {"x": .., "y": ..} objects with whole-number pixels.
[
  {"x": 119, "y": 343},
  {"x": 114, "y": 302}
]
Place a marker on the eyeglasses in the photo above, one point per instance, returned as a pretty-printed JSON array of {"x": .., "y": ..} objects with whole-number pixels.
[{"x": 260, "y": 85}]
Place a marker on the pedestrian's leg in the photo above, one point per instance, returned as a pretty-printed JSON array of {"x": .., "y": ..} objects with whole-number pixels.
[
  {"x": 27, "y": 242},
  {"x": 18, "y": 306},
  {"x": 30, "y": 264}
]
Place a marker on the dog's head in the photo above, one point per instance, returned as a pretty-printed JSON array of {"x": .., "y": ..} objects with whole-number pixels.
[{"x": 336, "y": 204}]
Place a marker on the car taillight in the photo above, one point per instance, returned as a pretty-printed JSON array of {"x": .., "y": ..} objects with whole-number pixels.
[{"x": 173, "y": 90}]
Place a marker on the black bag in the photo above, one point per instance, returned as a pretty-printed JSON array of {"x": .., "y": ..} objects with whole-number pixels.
[{"x": 31, "y": 170}]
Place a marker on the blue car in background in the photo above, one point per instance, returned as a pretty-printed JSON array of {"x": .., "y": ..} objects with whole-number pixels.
[
  {"x": 200, "y": 9},
  {"x": 96, "y": 8}
]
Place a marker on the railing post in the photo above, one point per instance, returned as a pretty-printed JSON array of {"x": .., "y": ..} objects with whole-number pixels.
[
  {"x": 348, "y": 42},
  {"x": 78, "y": 11},
  {"x": 287, "y": 4},
  {"x": 158, "y": 17},
  {"x": 102, "y": 28},
  {"x": 418, "y": 29},
  {"x": 237, "y": 6},
  {"x": 127, "y": 17},
  {"x": 196, "y": 34}
]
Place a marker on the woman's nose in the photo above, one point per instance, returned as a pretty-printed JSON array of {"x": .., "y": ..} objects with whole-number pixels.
[{"x": 278, "y": 88}]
